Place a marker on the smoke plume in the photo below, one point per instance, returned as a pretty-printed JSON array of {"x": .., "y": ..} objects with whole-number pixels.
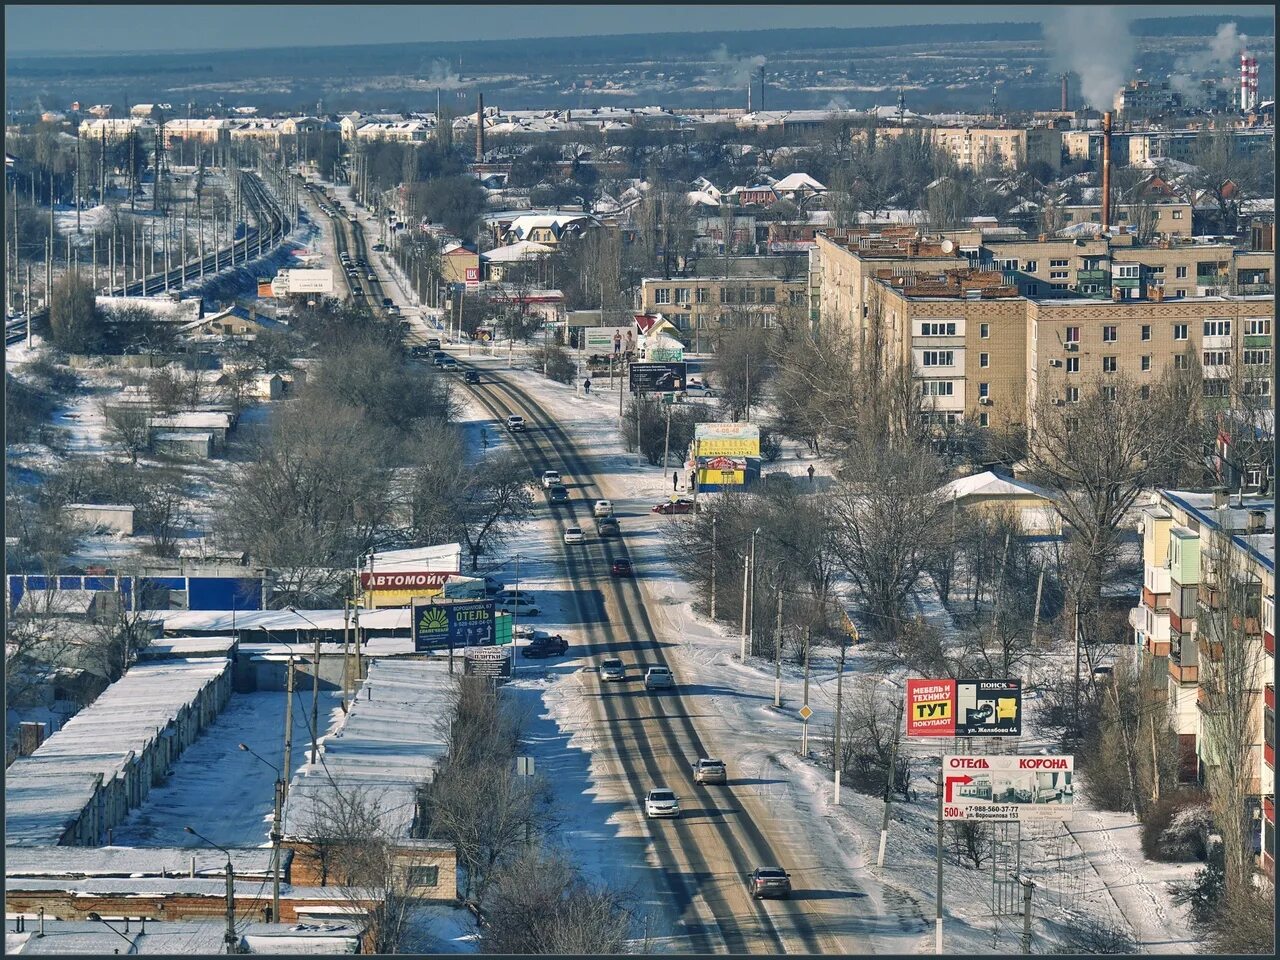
[
  {"x": 734, "y": 71},
  {"x": 1095, "y": 44},
  {"x": 443, "y": 76},
  {"x": 1223, "y": 53}
]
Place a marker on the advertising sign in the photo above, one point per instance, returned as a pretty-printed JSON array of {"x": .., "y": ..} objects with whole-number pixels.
[
  {"x": 658, "y": 377},
  {"x": 1007, "y": 787},
  {"x": 964, "y": 708},
  {"x": 931, "y": 708},
  {"x": 308, "y": 281},
  {"x": 726, "y": 440},
  {"x": 487, "y": 662},
  {"x": 609, "y": 339},
  {"x": 473, "y": 276},
  {"x": 467, "y": 624},
  {"x": 406, "y": 579}
]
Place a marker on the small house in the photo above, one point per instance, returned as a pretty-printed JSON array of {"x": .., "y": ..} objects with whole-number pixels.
[
  {"x": 115, "y": 517},
  {"x": 198, "y": 445}
]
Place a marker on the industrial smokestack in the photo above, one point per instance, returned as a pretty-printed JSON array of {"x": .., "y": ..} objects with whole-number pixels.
[
  {"x": 1106, "y": 172},
  {"x": 1248, "y": 82},
  {"x": 1064, "y": 108},
  {"x": 480, "y": 128},
  {"x": 749, "y": 81},
  {"x": 762, "y": 88}
]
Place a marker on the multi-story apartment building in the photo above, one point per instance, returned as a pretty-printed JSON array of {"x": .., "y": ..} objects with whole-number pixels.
[
  {"x": 1206, "y": 556},
  {"x": 1163, "y": 218},
  {"x": 700, "y": 305},
  {"x": 974, "y": 148},
  {"x": 1135, "y": 146}
]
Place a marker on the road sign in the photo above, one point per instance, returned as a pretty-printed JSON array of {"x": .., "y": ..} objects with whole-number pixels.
[
  {"x": 805, "y": 712},
  {"x": 1007, "y": 787},
  {"x": 964, "y": 708},
  {"x": 658, "y": 377},
  {"x": 469, "y": 624},
  {"x": 524, "y": 766}
]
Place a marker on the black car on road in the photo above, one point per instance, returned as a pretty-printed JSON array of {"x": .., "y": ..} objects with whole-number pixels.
[
  {"x": 546, "y": 646},
  {"x": 769, "y": 882}
]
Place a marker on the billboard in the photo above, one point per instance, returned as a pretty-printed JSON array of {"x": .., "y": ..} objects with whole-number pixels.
[
  {"x": 609, "y": 339},
  {"x": 466, "y": 624},
  {"x": 726, "y": 440},
  {"x": 1009, "y": 787},
  {"x": 302, "y": 281},
  {"x": 964, "y": 708},
  {"x": 406, "y": 579},
  {"x": 658, "y": 377},
  {"x": 473, "y": 276},
  {"x": 493, "y": 662}
]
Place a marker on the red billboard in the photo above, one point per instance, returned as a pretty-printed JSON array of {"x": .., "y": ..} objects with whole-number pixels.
[
  {"x": 473, "y": 276},
  {"x": 931, "y": 708},
  {"x": 406, "y": 579}
]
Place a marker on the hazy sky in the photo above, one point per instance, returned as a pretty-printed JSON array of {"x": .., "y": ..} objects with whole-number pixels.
[{"x": 36, "y": 29}]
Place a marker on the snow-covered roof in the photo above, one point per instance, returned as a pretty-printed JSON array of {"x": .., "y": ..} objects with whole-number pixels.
[
  {"x": 277, "y": 621},
  {"x": 516, "y": 252},
  {"x": 387, "y": 746},
  {"x": 188, "y": 647},
  {"x": 159, "y": 309},
  {"x": 41, "y": 602},
  {"x": 990, "y": 484},
  {"x": 46, "y": 791},
  {"x": 85, "y": 862},
  {"x": 798, "y": 181},
  {"x": 446, "y": 556},
  {"x": 180, "y": 938},
  {"x": 193, "y": 420}
]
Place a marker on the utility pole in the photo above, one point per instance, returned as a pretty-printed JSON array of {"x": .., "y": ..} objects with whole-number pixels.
[
  {"x": 288, "y": 728},
  {"x": 315, "y": 701},
  {"x": 888, "y": 787},
  {"x": 713, "y": 568},
  {"x": 346, "y": 649},
  {"x": 1035, "y": 619},
  {"x": 275, "y": 851},
  {"x": 840, "y": 712},
  {"x": 1027, "y": 888},
  {"x": 937, "y": 917},
  {"x": 666, "y": 444},
  {"x": 1075, "y": 723},
  {"x": 746, "y": 576},
  {"x": 233, "y": 941},
  {"x": 751, "y": 594},
  {"x": 777, "y": 651},
  {"x": 804, "y": 729}
]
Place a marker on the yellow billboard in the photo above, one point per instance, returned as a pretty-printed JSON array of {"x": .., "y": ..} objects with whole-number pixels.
[{"x": 726, "y": 440}]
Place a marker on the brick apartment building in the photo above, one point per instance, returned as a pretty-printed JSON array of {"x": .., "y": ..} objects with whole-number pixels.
[
  {"x": 698, "y": 306},
  {"x": 973, "y": 148}
]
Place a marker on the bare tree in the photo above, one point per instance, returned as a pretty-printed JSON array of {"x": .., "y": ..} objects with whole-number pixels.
[{"x": 129, "y": 427}]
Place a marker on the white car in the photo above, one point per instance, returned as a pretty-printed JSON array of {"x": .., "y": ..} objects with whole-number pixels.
[
  {"x": 661, "y": 802},
  {"x": 602, "y": 508},
  {"x": 550, "y": 478},
  {"x": 517, "y": 605},
  {"x": 515, "y": 423},
  {"x": 574, "y": 535},
  {"x": 658, "y": 677}
]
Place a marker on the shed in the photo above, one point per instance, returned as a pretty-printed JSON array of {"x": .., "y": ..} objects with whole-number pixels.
[
  {"x": 991, "y": 492},
  {"x": 180, "y": 444},
  {"x": 116, "y": 517}
]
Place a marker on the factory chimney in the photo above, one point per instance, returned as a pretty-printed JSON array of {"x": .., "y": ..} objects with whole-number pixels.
[
  {"x": 1248, "y": 82},
  {"x": 749, "y": 82},
  {"x": 480, "y": 128},
  {"x": 762, "y": 88},
  {"x": 1106, "y": 172},
  {"x": 1064, "y": 108}
]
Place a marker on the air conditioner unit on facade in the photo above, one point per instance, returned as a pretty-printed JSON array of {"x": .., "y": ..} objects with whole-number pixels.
[
  {"x": 1057, "y": 401},
  {"x": 1073, "y": 347},
  {"x": 984, "y": 401},
  {"x": 1055, "y": 363}
]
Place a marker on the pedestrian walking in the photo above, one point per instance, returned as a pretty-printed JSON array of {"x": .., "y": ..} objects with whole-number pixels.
[
  {"x": 484, "y": 437},
  {"x": 675, "y": 482},
  {"x": 586, "y": 386},
  {"x": 811, "y": 474}
]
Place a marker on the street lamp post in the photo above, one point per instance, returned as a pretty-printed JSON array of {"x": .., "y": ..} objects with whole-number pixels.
[
  {"x": 275, "y": 834},
  {"x": 893, "y": 760},
  {"x": 315, "y": 687},
  {"x": 231, "y": 938}
]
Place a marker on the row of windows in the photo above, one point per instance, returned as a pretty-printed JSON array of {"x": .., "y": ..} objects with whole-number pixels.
[
  {"x": 1254, "y": 327},
  {"x": 663, "y": 295},
  {"x": 938, "y": 329}
]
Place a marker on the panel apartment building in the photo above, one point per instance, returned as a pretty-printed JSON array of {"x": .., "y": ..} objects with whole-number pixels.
[
  {"x": 1199, "y": 550},
  {"x": 985, "y": 342},
  {"x": 699, "y": 306}
]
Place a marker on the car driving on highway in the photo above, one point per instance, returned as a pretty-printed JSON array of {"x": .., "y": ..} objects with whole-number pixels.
[
  {"x": 550, "y": 478},
  {"x": 515, "y": 423},
  {"x": 602, "y": 508},
  {"x": 708, "y": 770},
  {"x": 658, "y": 678},
  {"x": 558, "y": 494},
  {"x": 661, "y": 802},
  {"x": 769, "y": 882},
  {"x": 612, "y": 669},
  {"x": 574, "y": 535},
  {"x": 471, "y": 376},
  {"x": 621, "y": 568}
]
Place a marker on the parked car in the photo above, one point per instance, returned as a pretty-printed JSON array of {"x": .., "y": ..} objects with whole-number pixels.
[
  {"x": 558, "y": 494},
  {"x": 515, "y": 423},
  {"x": 661, "y": 802},
  {"x": 769, "y": 882},
  {"x": 611, "y": 668},
  {"x": 602, "y": 508},
  {"x": 574, "y": 535},
  {"x": 471, "y": 376},
  {"x": 517, "y": 605},
  {"x": 608, "y": 527},
  {"x": 698, "y": 390},
  {"x": 546, "y": 645},
  {"x": 379, "y": 247},
  {"x": 524, "y": 631},
  {"x": 508, "y": 592},
  {"x": 708, "y": 770},
  {"x": 395, "y": 312},
  {"x": 550, "y": 478},
  {"x": 656, "y": 677},
  {"x": 679, "y": 505},
  {"x": 621, "y": 567}
]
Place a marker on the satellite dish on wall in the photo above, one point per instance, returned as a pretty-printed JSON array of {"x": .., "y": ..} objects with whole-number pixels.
[{"x": 948, "y": 246}]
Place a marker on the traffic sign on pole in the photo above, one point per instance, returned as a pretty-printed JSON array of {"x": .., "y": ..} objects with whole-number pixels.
[{"x": 805, "y": 712}]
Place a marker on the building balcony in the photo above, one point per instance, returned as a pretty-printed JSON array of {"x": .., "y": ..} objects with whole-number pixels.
[
  {"x": 1204, "y": 700},
  {"x": 1159, "y": 602},
  {"x": 1157, "y": 648},
  {"x": 1269, "y": 755},
  {"x": 1127, "y": 283},
  {"x": 1208, "y": 650},
  {"x": 1251, "y": 626},
  {"x": 1093, "y": 276},
  {"x": 1181, "y": 624},
  {"x": 1258, "y": 342},
  {"x": 1211, "y": 279},
  {"x": 1181, "y": 674},
  {"x": 1209, "y": 596},
  {"x": 1157, "y": 581}
]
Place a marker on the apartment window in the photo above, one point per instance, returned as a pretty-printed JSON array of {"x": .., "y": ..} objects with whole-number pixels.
[
  {"x": 1179, "y": 331},
  {"x": 1144, "y": 391},
  {"x": 726, "y": 295},
  {"x": 1109, "y": 365},
  {"x": 930, "y": 329},
  {"x": 1059, "y": 263},
  {"x": 1217, "y": 328},
  {"x": 795, "y": 297},
  {"x": 662, "y": 295},
  {"x": 1073, "y": 364},
  {"x": 1146, "y": 331},
  {"x": 1257, "y": 327},
  {"x": 1073, "y": 423},
  {"x": 1073, "y": 335},
  {"x": 938, "y": 358},
  {"x": 1179, "y": 294},
  {"x": 1127, "y": 271},
  {"x": 1108, "y": 334},
  {"x": 938, "y": 388},
  {"x": 984, "y": 359},
  {"x": 1058, "y": 274},
  {"x": 1033, "y": 289},
  {"x": 1006, "y": 265},
  {"x": 1257, "y": 358},
  {"x": 1073, "y": 394},
  {"x": 749, "y": 295},
  {"x": 424, "y": 876},
  {"x": 1215, "y": 388},
  {"x": 768, "y": 295},
  {"x": 1109, "y": 393},
  {"x": 702, "y": 295},
  {"x": 1146, "y": 362},
  {"x": 1057, "y": 286},
  {"x": 984, "y": 419},
  {"x": 682, "y": 295},
  {"x": 984, "y": 330},
  {"x": 1260, "y": 388},
  {"x": 1216, "y": 358},
  {"x": 1158, "y": 271},
  {"x": 1180, "y": 361},
  {"x": 984, "y": 390},
  {"x": 1179, "y": 273},
  {"x": 1177, "y": 214},
  {"x": 1029, "y": 266}
]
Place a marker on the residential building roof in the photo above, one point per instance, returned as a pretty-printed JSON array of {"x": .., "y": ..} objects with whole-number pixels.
[{"x": 991, "y": 484}]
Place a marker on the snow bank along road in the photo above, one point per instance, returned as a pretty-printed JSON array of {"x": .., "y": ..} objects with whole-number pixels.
[{"x": 719, "y": 838}]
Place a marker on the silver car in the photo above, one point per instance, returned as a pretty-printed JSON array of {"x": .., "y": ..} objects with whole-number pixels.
[{"x": 611, "y": 668}]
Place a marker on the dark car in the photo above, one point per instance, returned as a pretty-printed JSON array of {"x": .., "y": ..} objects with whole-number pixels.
[
  {"x": 472, "y": 376},
  {"x": 419, "y": 352},
  {"x": 621, "y": 567},
  {"x": 608, "y": 527},
  {"x": 546, "y": 646},
  {"x": 679, "y": 505},
  {"x": 558, "y": 494},
  {"x": 769, "y": 882},
  {"x": 387, "y": 301},
  {"x": 448, "y": 363},
  {"x": 439, "y": 357}
]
